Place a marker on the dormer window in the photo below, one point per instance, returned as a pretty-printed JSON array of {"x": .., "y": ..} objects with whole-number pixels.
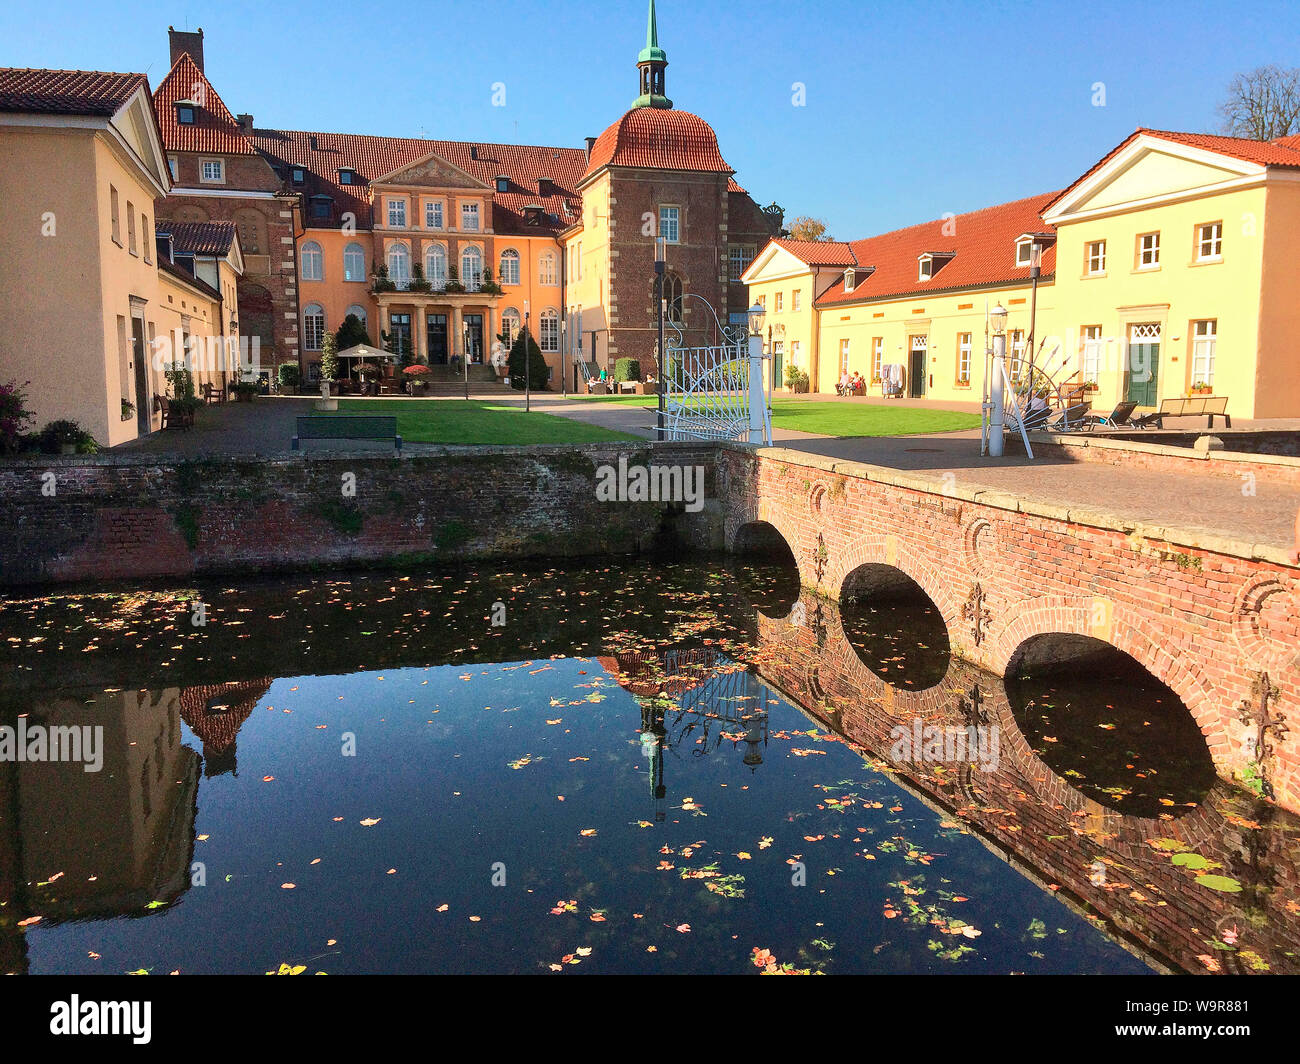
[
  {"x": 298, "y": 175},
  {"x": 503, "y": 183},
  {"x": 1024, "y": 252},
  {"x": 850, "y": 279},
  {"x": 545, "y": 186},
  {"x": 185, "y": 110},
  {"x": 927, "y": 268},
  {"x": 931, "y": 262},
  {"x": 322, "y": 208},
  {"x": 347, "y": 176}
]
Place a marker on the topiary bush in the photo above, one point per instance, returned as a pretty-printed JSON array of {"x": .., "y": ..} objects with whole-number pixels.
[
  {"x": 537, "y": 370},
  {"x": 289, "y": 377},
  {"x": 627, "y": 369}
]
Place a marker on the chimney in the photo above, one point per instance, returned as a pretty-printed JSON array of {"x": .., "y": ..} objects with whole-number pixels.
[
  {"x": 591, "y": 143},
  {"x": 183, "y": 41},
  {"x": 245, "y": 122}
]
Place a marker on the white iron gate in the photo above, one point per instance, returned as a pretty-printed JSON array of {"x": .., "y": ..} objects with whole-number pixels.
[{"x": 716, "y": 393}]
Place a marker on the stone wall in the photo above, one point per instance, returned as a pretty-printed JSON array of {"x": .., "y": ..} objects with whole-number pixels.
[{"x": 133, "y": 517}]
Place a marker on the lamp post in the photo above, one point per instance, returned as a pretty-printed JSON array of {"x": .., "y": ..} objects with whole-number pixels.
[
  {"x": 465, "y": 350},
  {"x": 661, "y": 252},
  {"x": 758, "y": 431},
  {"x": 998, "y": 322},
  {"x": 1035, "y": 269},
  {"x": 528, "y": 365}
]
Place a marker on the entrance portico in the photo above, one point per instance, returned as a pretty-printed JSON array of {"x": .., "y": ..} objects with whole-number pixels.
[{"x": 445, "y": 316}]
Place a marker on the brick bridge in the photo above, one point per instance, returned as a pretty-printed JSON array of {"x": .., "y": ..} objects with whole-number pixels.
[{"x": 1216, "y": 620}]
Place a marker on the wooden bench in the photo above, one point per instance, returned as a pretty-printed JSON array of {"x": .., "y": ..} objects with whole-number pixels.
[
  {"x": 348, "y": 427},
  {"x": 1210, "y": 406},
  {"x": 173, "y": 417}
]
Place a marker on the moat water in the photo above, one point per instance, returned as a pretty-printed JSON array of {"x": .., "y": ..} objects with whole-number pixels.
[{"x": 654, "y": 766}]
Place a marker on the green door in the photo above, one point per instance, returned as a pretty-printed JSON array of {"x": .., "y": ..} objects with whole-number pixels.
[{"x": 1141, "y": 374}]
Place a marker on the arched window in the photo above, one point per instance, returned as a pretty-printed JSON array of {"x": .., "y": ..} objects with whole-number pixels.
[
  {"x": 510, "y": 324},
  {"x": 471, "y": 268},
  {"x": 546, "y": 268},
  {"x": 435, "y": 265},
  {"x": 313, "y": 262},
  {"x": 673, "y": 294},
  {"x": 354, "y": 263},
  {"x": 548, "y": 331},
  {"x": 509, "y": 272},
  {"x": 313, "y": 326},
  {"x": 359, "y": 311},
  {"x": 399, "y": 264}
]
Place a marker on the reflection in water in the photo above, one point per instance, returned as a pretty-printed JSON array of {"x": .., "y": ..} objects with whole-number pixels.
[
  {"x": 1100, "y": 720},
  {"x": 897, "y": 631},
  {"x": 640, "y": 749}
]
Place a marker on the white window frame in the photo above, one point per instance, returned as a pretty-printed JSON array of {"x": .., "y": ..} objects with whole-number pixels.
[
  {"x": 794, "y": 299},
  {"x": 469, "y": 217},
  {"x": 1024, "y": 252},
  {"x": 924, "y": 268},
  {"x": 360, "y": 312},
  {"x": 220, "y": 178},
  {"x": 398, "y": 252},
  {"x": 313, "y": 326},
  {"x": 512, "y": 256},
  {"x": 877, "y": 357},
  {"x": 546, "y": 272},
  {"x": 548, "y": 330},
  {"x": 963, "y": 357},
  {"x": 845, "y": 348},
  {"x": 311, "y": 253},
  {"x": 470, "y": 278},
  {"x": 1205, "y": 341},
  {"x": 511, "y": 323},
  {"x": 1095, "y": 260},
  {"x": 670, "y": 222},
  {"x": 1152, "y": 251},
  {"x": 435, "y": 265},
  {"x": 1214, "y": 240},
  {"x": 396, "y": 213},
  {"x": 352, "y": 250},
  {"x": 433, "y": 216},
  {"x": 1091, "y": 357},
  {"x": 778, "y": 304}
]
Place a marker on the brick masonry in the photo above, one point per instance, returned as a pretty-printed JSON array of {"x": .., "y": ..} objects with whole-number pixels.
[{"x": 1209, "y": 623}]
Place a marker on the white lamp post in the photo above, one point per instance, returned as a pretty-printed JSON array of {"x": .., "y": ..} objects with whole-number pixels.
[
  {"x": 758, "y": 430},
  {"x": 998, "y": 323}
]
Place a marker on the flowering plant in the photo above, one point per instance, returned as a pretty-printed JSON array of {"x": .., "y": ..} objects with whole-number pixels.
[{"x": 14, "y": 415}]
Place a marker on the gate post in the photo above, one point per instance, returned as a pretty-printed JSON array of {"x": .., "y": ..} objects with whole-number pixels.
[{"x": 760, "y": 429}]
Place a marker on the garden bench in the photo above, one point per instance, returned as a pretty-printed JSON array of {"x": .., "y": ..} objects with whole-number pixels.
[
  {"x": 1210, "y": 406},
  {"x": 348, "y": 427},
  {"x": 173, "y": 417}
]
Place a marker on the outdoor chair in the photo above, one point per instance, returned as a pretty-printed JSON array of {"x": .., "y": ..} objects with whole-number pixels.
[{"x": 1120, "y": 417}]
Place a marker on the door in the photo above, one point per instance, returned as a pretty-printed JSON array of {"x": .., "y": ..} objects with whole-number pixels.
[
  {"x": 916, "y": 367},
  {"x": 1142, "y": 369},
  {"x": 474, "y": 327},
  {"x": 399, "y": 334},
  {"x": 140, "y": 366},
  {"x": 437, "y": 339}
]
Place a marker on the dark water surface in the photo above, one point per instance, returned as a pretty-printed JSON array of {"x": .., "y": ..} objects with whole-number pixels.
[{"x": 654, "y": 767}]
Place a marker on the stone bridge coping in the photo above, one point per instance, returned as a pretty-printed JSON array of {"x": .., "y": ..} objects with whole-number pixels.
[
  {"x": 1282, "y": 461},
  {"x": 1003, "y": 500}
]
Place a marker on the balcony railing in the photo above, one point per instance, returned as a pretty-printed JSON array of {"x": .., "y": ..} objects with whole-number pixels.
[{"x": 472, "y": 282}]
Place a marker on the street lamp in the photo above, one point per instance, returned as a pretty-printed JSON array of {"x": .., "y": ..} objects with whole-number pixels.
[
  {"x": 998, "y": 323},
  {"x": 528, "y": 365},
  {"x": 758, "y": 427},
  {"x": 661, "y": 256}
]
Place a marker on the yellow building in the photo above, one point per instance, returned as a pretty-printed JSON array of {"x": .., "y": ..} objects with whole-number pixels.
[{"x": 1178, "y": 268}]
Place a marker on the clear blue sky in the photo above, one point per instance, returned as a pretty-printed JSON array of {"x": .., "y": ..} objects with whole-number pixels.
[{"x": 913, "y": 109}]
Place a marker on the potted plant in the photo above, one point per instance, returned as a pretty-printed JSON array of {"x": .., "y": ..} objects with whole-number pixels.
[
  {"x": 1090, "y": 386},
  {"x": 245, "y": 391},
  {"x": 128, "y": 410},
  {"x": 453, "y": 280},
  {"x": 418, "y": 281},
  {"x": 796, "y": 380},
  {"x": 1201, "y": 388},
  {"x": 288, "y": 377},
  {"x": 489, "y": 285},
  {"x": 66, "y": 437},
  {"x": 414, "y": 376},
  {"x": 382, "y": 281}
]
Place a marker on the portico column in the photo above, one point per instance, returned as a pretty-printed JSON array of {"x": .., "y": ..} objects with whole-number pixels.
[
  {"x": 420, "y": 325},
  {"x": 458, "y": 331},
  {"x": 489, "y": 338},
  {"x": 384, "y": 325}
]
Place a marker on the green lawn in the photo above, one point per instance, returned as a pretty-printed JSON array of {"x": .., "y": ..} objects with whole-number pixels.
[
  {"x": 481, "y": 422},
  {"x": 833, "y": 418}
]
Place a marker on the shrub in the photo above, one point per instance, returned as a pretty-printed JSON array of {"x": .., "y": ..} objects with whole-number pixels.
[
  {"x": 289, "y": 376},
  {"x": 537, "y": 368},
  {"x": 351, "y": 333},
  {"x": 329, "y": 357},
  {"x": 382, "y": 282},
  {"x": 627, "y": 369},
  {"x": 180, "y": 380},
  {"x": 57, "y": 434}
]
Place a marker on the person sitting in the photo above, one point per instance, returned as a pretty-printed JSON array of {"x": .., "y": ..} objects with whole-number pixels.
[
  {"x": 858, "y": 386},
  {"x": 846, "y": 382}
]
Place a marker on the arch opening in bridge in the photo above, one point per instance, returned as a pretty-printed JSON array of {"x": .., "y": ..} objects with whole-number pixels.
[
  {"x": 1102, "y": 722},
  {"x": 765, "y": 569},
  {"x": 894, "y": 627}
]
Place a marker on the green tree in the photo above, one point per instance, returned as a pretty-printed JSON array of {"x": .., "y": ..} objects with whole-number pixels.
[
  {"x": 329, "y": 357},
  {"x": 537, "y": 368},
  {"x": 351, "y": 332}
]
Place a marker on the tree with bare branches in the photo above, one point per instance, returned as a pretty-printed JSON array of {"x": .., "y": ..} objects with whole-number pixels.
[
  {"x": 1263, "y": 104},
  {"x": 806, "y": 228}
]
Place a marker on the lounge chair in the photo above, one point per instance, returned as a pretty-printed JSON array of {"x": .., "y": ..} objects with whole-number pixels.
[{"x": 1120, "y": 417}]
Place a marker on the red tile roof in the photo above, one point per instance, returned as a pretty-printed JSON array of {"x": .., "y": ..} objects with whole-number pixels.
[
  {"x": 1284, "y": 152},
  {"x": 200, "y": 238},
  {"x": 659, "y": 138},
  {"x": 67, "y": 92},
  {"x": 181, "y": 273},
  {"x": 373, "y": 157},
  {"x": 215, "y": 128},
  {"x": 983, "y": 243},
  {"x": 818, "y": 252}
]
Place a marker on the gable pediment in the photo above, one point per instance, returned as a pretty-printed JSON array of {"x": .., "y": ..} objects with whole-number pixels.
[
  {"x": 134, "y": 123},
  {"x": 773, "y": 263},
  {"x": 432, "y": 171},
  {"x": 1150, "y": 170}
]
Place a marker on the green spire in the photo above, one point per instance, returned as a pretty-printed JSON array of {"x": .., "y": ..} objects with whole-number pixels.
[{"x": 652, "y": 52}]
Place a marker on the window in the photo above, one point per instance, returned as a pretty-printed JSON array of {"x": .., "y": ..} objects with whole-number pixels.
[
  {"x": 435, "y": 265},
  {"x": 546, "y": 268},
  {"x": 1017, "y": 353},
  {"x": 1204, "y": 339},
  {"x": 670, "y": 223},
  {"x": 779, "y": 303},
  {"x": 1092, "y": 345},
  {"x": 926, "y": 270},
  {"x": 794, "y": 299},
  {"x": 113, "y": 215},
  {"x": 549, "y": 331},
  {"x": 213, "y": 170},
  {"x": 298, "y": 175},
  {"x": 963, "y": 358},
  {"x": 354, "y": 263},
  {"x": 794, "y": 352},
  {"x": 185, "y": 114},
  {"x": 1097, "y": 257},
  {"x": 503, "y": 184},
  {"x": 357, "y": 311},
  {"x": 762, "y": 302},
  {"x": 471, "y": 268},
  {"x": 877, "y": 357},
  {"x": 510, "y": 324},
  {"x": 1024, "y": 252},
  {"x": 399, "y": 264},
  {"x": 509, "y": 271},
  {"x": 322, "y": 208},
  {"x": 313, "y": 262},
  {"x": 397, "y": 214},
  {"x": 146, "y": 235},
  {"x": 577, "y": 262},
  {"x": 1148, "y": 251},
  {"x": 131, "y": 244},
  {"x": 1209, "y": 242},
  {"x": 673, "y": 296},
  {"x": 469, "y": 217},
  {"x": 172, "y": 167},
  {"x": 313, "y": 326},
  {"x": 433, "y": 214},
  {"x": 347, "y": 177},
  {"x": 844, "y": 357},
  {"x": 739, "y": 256}
]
